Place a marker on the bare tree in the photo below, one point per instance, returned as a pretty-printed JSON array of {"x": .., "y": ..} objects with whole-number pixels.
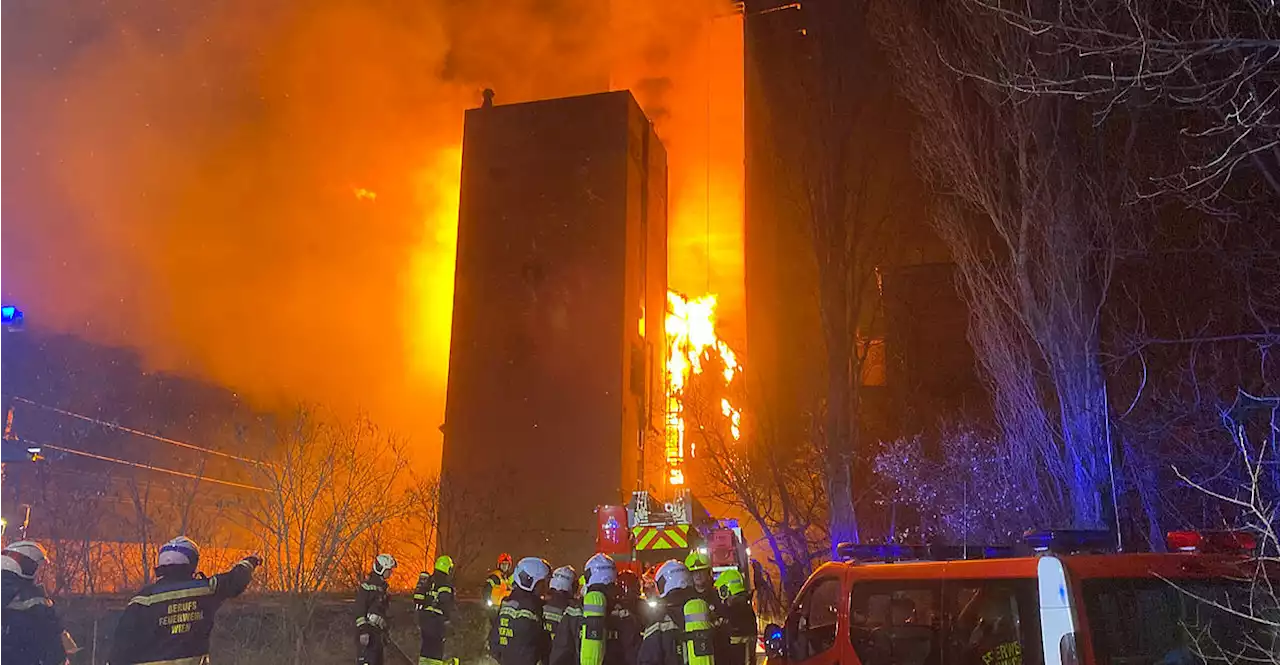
[
  {"x": 777, "y": 484},
  {"x": 1026, "y": 221},
  {"x": 834, "y": 158},
  {"x": 325, "y": 485},
  {"x": 1210, "y": 68}
]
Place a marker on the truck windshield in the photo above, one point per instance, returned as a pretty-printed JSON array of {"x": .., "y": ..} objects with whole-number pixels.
[{"x": 1178, "y": 622}]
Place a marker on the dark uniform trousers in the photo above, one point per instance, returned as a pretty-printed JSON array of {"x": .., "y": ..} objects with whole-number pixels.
[
  {"x": 434, "y": 603},
  {"x": 372, "y": 601}
]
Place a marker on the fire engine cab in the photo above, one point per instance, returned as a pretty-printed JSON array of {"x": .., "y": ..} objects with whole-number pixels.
[
  {"x": 1063, "y": 599},
  {"x": 646, "y": 532}
]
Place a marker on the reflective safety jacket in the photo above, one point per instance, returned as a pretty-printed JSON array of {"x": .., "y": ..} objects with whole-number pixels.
[
  {"x": 496, "y": 587},
  {"x": 433, "y": 597},
  {"x": 737, "y": 622},
  {"x": 553, "y": 611},
  {"x": 372, "y": 601},
  {"x": 518, "y": 636},
  {"x": 601, "y": 633},
  {"x": 684, "y": 635},
  {"x": 169, "y": 621},
  {"x": 32, "y": 630}
]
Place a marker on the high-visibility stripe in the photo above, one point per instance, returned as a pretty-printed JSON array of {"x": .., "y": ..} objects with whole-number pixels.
[
  {"x": 423, "y": 660},
  {"x": 552, "y": 615},
  {"x": 189, "y": 660},
  {"x": 675, "y": 536},
  {"x": 29, "y": 603},
  {"x": 176, "y": 594},
  {"x": 370, "y": 587},
  {"x": 509, "y": 611},
  {"x": 419, "y": 596},
  {"x": 697, "y": 617},
  {"x": 360, "y": 621},
  {"x": 573, "y": 611},
  {"x": 740, "y": 640}
]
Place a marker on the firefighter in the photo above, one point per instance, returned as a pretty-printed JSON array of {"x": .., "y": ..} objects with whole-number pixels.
[
  {"x": 434, "y": 603},
  {"x": 699, "y": 565},
  {"x": 737, "y": 618},
  {"x": 518, "y": 636},
  {"x": 684, "y": 635},
  {"x": 498, "y": 583},
  {"x": 560, "y": 598},
  {"x": 629, "y": 593},
  {"x": 171, "y": 619},
  {"x": 605, "y": 633},
  {"x": 32, "y": 630},
  {"x": 372, "y": 601}
]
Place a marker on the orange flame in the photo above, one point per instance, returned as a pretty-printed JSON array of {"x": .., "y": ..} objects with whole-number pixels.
[{"x": 691, "y": 332}]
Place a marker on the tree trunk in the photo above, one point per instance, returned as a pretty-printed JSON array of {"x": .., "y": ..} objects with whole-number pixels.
[{"x": 839, "y": 452}]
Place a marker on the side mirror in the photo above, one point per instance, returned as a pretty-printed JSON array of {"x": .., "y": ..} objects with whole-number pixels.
[{"x": 775, "y": 647}]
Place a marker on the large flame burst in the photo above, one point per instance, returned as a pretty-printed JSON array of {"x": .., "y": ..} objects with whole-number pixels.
[{"x": 691, "y": 333}]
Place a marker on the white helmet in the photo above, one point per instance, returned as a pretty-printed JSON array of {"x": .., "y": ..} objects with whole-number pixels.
[
  {"x": 23, "y": 558},
  {"x": 672, "y": 575},
  {"x": 181, "y": 551},
  {"x": 601, "y": 569},
  {"x": 530, "y": 571},
  {"x": 383, "y": 564},
  {"x": 562, "y": 579}
]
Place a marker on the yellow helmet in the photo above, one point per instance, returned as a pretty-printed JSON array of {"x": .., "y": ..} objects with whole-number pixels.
[
  {"x": 697, "y": 561},
  {"x": 730, "y": 583},
  {"x": 444, "y": 564}
]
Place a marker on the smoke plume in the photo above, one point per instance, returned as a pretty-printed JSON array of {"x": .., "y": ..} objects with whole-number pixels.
[{"x": 264, "y": 193}]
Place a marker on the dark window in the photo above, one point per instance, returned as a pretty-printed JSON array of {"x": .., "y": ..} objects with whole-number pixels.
[
  {"x": 896, "y": 623},
  {"x": 814, "y": 624},
  {"x": 1147, "y": 621},
  {"x": 993, "y": 622}
]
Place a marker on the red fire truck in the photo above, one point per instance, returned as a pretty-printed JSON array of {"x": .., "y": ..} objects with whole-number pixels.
[{"x": 646, "y": 532}]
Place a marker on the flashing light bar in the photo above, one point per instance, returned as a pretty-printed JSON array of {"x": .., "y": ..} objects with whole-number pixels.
[
  {"x": 1070, "y": 541},
  {"x": 1212, "y": 542},
  {"x": 896, "y": 552},
  {"x": 10, "y": 315}
]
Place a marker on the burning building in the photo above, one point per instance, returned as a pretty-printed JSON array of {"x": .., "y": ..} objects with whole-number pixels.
[{"x": 557, "y": 357}]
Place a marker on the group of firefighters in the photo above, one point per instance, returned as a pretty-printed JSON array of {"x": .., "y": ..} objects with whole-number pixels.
[
  {"x": 555, "y": 617},
  {"x": 543, "y": 617}
]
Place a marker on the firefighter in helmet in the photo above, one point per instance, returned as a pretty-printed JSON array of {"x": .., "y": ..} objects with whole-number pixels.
[
  {"x": 699, "y": 565},
  {"x": 372, "y": 601},
  {"x": 171, "y": 619},
  {"x": 498, "y": 583},
  {"x": 560, "y": 599},
  {"x": 433, "y": 601},
  {"x": 737, "y": 618},
  {"x": 604, "y": 633},
  {"x": 683, "y": 633},
  {"x": 629, "y": 587},
  {"x": 32, "y": 630},
  {"x": 518, "y": 637}
]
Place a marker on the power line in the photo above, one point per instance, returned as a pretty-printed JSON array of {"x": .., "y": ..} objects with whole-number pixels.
[
  {"x": 148, "y": 467},
  {"x": 130, "y": 430}
]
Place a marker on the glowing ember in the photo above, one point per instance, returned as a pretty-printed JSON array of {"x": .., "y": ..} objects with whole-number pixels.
[
  {"x": 363, "y": 194},
  {"x": 691, "y": 332}
]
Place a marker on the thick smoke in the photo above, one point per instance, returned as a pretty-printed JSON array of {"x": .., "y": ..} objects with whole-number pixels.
[{"x": 263, "y": 194}]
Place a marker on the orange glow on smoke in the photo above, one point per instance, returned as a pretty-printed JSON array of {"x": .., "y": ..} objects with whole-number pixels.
[{"x": 433, "y": 264}]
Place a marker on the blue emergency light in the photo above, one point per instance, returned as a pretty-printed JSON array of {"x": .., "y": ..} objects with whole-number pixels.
[
  {"x": 10, "y": 315},
  {"x": 1070, "y": 541}
]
